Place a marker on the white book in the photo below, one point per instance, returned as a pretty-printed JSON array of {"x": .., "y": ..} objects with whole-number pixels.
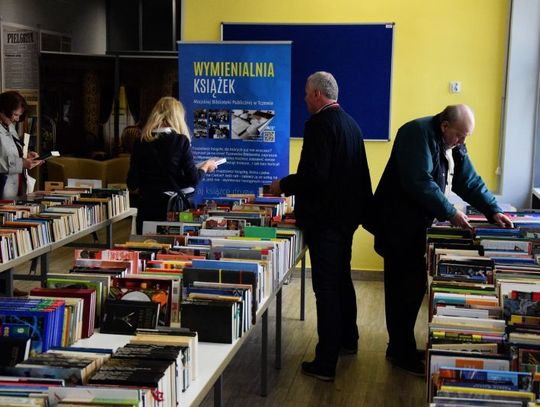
[
  {"x": 218, "y": 160},
  {"x": 495, "y": 324},
  {"x": 218, "y": 232},
  {"x": 451, "y": 311}
]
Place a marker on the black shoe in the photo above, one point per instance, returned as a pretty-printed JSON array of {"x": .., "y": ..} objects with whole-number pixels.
[
  {"x": 420, "y": 355},
  {"x": 311, "y": 369},
  {"x": 347, "y": 351},
  {"x": 413, "y": 366}
]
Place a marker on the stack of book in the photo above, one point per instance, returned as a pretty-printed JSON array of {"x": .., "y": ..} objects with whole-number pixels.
[
  {"x": 164, "y": 360},
  {"x": 46, "y": 217},
  {"x": 88, "y": 310},
  {"x": 484, "y": 337},
  {"x": 151, "y": 370},
  {"x": 219, "y": 303},
  {"x": 42, "y": 320},
  {"x": 228, "y": 259},
  {"x": 188, "y": 342},
  {"x": 224, "y": 278},
  {"x": 72, "y": 365}
]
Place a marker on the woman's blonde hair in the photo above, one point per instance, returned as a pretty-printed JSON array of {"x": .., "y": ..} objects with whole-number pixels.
[{"x": 168, "y": 112}]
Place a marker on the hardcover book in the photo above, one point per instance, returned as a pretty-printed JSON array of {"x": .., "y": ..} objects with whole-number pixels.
[
  {"x": 124, "y": 317},
  {"x": 145, "y": 289},
  {"x": 214, "y": 321},
  {"x": 14, "y": 349}
]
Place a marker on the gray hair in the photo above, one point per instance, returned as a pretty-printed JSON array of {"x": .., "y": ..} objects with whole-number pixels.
[{"x": 325, "y": 82}]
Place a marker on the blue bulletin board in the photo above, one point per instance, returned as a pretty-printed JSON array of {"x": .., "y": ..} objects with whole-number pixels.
[{"x": 358, "y": 55}]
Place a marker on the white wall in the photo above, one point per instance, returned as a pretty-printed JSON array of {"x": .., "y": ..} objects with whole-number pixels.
[
  {"x": 84, "y": 20},
  {"x": 520, "y": 122}
]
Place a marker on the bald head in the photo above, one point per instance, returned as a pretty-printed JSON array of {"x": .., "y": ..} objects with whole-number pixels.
[
  {"x": 458, "y": 114},
  {"x": 457, "y": 122}
]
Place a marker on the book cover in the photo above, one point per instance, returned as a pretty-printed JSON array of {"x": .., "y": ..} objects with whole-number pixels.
[
  {"x": 15, "y": 349},
  {"x": 145, "y": 289},
  {"x": 214, "y": 321},
  {"x": 123, "y": 317}
]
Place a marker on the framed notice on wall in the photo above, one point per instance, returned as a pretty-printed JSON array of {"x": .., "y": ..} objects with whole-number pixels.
[{"x": 20, "y": 55}]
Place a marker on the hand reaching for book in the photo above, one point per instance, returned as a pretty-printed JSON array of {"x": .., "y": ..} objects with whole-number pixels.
[
  {"x": 275, "y": 187},
  {"x": 502, "y": 220},
  {"x": 460, "y": 220}
]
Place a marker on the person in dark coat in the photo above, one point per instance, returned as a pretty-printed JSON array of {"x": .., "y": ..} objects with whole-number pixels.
[
  {"x": 428, "y": 159},
  {"x": 332, "y": 189},
  {"x": 162, "y": 161}
]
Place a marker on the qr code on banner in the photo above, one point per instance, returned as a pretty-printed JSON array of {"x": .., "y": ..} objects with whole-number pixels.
[{"x": 269, "y": 136}]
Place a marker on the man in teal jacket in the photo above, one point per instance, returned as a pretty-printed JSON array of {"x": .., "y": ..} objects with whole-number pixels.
[{"x": 428, "y": 159}]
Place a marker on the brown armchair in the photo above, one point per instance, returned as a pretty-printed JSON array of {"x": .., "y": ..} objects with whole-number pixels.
[{"x": 111, "y": 171}]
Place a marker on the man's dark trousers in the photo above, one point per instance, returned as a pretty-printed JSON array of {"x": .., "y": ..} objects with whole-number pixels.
[
  {"x": 404, "y": 289},
  {"x": 330, "y": 254}
]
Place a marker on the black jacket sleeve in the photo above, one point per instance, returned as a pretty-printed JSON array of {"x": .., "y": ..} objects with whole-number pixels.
[
  {"x": 315, "y": 162},
  {"x": 183, "y": 168}
]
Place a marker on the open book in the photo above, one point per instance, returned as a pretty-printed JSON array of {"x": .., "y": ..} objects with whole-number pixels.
[{"x": 218, "y": 160}]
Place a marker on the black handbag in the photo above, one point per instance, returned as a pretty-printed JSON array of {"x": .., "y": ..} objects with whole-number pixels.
[{"x": 178, "y": 201}]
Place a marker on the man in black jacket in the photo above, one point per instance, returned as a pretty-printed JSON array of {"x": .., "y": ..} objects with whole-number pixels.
[{"x": 332, "y": 187}]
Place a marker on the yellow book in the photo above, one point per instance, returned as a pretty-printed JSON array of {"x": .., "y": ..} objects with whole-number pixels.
[
  {"x": 494, "y": 392},
  {"x": 215, "y": 297}
]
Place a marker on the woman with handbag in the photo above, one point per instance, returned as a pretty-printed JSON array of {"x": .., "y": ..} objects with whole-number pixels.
[{"x": 162, "y": 163}]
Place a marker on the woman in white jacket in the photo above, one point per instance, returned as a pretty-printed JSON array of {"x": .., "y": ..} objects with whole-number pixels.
[{"x": 13, "y": 166}]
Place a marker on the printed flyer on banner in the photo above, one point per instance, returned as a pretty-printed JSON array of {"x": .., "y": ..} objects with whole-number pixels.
[{"x": 237, "y": 100}]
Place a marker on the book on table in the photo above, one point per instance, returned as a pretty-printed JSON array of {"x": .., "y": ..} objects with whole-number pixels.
[{"x": 124, "y": 317}]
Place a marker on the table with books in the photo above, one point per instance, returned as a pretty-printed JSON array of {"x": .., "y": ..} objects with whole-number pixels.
[
  {"x": 33, "y": 228},
  {"x": 484, "y": 313},
  {"x": 213, "y": 229},
  {"x": 213, "y": 358},
  {"x": 158, "y": 317}
]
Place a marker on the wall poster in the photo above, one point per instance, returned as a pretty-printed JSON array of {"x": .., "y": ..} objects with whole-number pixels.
[{"x": 20, "y": 57}]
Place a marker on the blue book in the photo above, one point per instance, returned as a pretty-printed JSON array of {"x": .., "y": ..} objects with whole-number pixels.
[
  {"x": 518, "y": 380},
  {"x": 515, "y": 232},
  {"x": 513, "y": 260},
  {"x": 225, "y": 265},
  {"x": 39, "y": 323}
]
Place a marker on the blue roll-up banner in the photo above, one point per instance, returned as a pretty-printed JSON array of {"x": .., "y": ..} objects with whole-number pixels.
[{"x": 237, "y": 98}]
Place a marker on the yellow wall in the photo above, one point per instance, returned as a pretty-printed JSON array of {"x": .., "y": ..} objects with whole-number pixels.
[{"x": 434, "y": 42}]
